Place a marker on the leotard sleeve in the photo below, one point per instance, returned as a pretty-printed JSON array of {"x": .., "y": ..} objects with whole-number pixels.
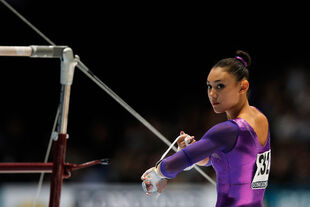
[{"x": 221, "y": 137}]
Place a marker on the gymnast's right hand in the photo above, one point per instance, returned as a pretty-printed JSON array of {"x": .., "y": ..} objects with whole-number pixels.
[{"x": 152, "y": 182}]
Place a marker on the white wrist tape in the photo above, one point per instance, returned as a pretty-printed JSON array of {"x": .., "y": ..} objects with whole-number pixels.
[
  {"x": 187, "y": 140},
  {"x": 154, "y": 178}
]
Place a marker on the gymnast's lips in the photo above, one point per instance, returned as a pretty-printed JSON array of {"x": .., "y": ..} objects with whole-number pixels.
[{"x": 214, "y": 103}]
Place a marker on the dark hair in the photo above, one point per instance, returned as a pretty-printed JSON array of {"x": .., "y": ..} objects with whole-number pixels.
[{"x": 238, "y": 65}]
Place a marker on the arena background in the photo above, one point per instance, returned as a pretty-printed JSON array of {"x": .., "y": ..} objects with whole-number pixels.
[{"x": 156, "y": 57}]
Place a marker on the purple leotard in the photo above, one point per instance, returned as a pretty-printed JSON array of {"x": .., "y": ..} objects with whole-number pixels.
[{"x": 241, "y": 164}]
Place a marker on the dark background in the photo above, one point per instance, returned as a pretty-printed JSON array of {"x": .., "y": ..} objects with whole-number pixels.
[{"x": 156, "y": 57}]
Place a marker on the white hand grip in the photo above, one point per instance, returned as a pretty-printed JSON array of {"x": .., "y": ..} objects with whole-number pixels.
[{"x": 154, "y": 178}]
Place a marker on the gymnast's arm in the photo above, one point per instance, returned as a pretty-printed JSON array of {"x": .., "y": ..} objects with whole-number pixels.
[
  {"x": 221, "y": 137},
  {"x": 204, "y": 162}
]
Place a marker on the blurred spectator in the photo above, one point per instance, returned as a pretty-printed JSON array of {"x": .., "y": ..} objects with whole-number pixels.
[{"x": 287, "y": 104}]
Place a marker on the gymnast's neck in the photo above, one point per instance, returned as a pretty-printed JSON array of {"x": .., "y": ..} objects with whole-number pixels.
[{"x": 237, "y": 111}]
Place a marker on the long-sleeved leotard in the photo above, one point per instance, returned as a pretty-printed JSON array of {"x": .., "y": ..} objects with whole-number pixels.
[
  {"x": 221, "y": 137},
  {"x": 242, "y": 165}
]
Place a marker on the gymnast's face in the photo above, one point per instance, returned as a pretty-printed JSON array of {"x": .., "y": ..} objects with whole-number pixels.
[{"x": 224, "y": 91}]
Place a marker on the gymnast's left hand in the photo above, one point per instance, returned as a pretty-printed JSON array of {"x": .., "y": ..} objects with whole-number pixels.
[{"x": 181, "y": 141}]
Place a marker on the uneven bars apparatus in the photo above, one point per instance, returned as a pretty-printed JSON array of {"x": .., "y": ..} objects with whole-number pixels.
[{"x": 58, "y": 167}]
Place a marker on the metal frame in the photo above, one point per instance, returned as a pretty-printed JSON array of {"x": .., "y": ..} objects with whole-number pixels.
[{"x": 59, "y": 169}]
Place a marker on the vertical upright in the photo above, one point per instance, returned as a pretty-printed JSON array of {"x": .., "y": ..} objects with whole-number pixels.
[{"x": 68, "y": 64}]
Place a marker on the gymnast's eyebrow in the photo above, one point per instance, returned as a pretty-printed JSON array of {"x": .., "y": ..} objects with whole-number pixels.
[{"x": 216, "y": 81}]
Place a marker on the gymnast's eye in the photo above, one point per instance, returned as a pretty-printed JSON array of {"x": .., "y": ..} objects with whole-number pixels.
[
  {"x": 209, "y": 86},
  {"x": 220, "y": 86}
]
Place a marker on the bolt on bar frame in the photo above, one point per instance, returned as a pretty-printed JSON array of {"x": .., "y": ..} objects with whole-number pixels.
[{"x": 58, "y": 167}]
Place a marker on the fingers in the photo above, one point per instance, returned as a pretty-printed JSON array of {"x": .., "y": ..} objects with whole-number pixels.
[
  {"x": 149, "y": 187},
  {"x": 145, "y": 174},
  {"x": 151, "y": 184},
  {"x": 144, "y": 177},
  {"x": 182, "y": 137},
  {"x": 187, "y": 141},
  {"x": 161, "y": 186},
  {"x": 191, "y": 139},
  {"x": 181, "y": 141}
]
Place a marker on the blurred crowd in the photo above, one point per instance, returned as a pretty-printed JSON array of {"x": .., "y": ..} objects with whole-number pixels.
[
  {"x": 132, "y": 148},
  {"x": 286, "y": 101}
]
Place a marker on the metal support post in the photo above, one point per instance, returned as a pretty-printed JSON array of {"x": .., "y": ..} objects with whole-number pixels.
[{"x": 68, "y": 64}]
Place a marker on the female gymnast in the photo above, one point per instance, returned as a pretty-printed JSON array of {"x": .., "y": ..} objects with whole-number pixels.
[{"x": 238, "y": 149}]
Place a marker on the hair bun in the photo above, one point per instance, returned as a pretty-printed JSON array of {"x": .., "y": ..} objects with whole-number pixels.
[{"x": 245, "y": 57}]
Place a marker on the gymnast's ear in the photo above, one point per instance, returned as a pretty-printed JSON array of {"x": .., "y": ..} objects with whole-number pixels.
[{"x": 244, "y": 86}]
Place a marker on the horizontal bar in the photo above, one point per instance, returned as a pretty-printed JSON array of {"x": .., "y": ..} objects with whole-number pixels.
[
  {"x": 32, "y": 51},
  {"x": 38, "y": 167},
  {"x": 26, "y": 167},
  {"x": 15, "y": 51},
  {"x": 47, "y": 51}
]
